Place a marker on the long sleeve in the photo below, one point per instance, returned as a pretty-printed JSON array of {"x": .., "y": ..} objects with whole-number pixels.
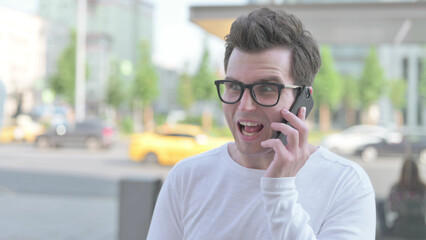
[{"x": 351, "y": 217}]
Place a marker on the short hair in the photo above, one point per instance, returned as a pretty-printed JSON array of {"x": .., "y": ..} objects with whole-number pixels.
[{"x": 265, "y": 28}]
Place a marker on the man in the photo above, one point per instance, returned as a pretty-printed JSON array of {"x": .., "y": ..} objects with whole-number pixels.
[{"x": 257, "y": 187}]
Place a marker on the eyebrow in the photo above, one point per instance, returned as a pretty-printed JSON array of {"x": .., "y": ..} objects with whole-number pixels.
[
  {"x": 262, "y": 80},
  {"x": 270, "y": 79}
]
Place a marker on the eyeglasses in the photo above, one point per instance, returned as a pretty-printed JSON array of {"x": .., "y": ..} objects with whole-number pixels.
[{"x": 264, "y": 94}]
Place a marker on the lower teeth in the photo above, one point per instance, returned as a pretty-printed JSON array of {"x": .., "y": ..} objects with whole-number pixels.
[{"x": 249, "y": 134}]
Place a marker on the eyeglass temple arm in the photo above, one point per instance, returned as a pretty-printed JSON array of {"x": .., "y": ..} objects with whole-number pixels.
[{"x": 292, "y": 86}]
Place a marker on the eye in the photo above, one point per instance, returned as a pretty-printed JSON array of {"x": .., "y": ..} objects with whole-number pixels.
[
  {"x": 265, "y": 88},
  {"x": 234, "y": 86}
]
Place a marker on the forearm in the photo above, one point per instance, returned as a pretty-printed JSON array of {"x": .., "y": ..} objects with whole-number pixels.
[
  {"x": 352, "y": 217},
  {"x": 286, "y": 217}
]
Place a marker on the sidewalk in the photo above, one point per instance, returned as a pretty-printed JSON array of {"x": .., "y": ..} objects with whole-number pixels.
[
  {"x": 56, "y": 217},
  {"x": 57, "y": 207}
]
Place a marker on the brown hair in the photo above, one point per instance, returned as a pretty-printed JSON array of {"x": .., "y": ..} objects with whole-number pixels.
[
  {"x": 410, "y": 178},
  {"x": 265, "y": 28}
]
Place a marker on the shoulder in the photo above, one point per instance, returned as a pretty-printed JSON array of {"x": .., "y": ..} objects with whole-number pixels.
[
  {"x": 343, "y": 169},
  {"x": 194, "y": 171},
  {"x": 199, "y": 163}
]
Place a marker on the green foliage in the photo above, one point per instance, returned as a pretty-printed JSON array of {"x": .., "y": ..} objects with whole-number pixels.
[
  {"x": 217, "y": 130},
  {"x": 63, "y": 81},
  {"x": 160, "y": 119},
  {"x": 203, "y": 81},
  {"x": 328, "y": 87},
  {"x": 351, "y": 92},
  {"x": 145, "y": 84},
  {"x": 372, "y": 80},
  {"x": 316, "y": 136},
  {"x": 115, "y": 94},
  {"x": 220, "y": 131},
  {"x": 126, "y": 125},
  {"x": 185, "y": 90},
  {"x": 196, "y": 120},
  {"x": 397, "y": 89}
]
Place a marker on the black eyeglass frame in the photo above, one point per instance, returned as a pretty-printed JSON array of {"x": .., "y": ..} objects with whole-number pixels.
[{"x": 250, "y": 87}]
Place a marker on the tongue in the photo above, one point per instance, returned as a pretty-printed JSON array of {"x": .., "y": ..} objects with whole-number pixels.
[{"x": 252, "y": 129}]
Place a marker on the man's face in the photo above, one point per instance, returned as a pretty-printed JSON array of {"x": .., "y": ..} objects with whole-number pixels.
[{"x": 249, "y": 122}]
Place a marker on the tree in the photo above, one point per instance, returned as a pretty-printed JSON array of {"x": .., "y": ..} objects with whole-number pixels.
[
  {"x": 203, "y": 86},
  {"x": 63, "y": 81},
  {"x": 115, "y": 95},
  {"x": 328, "y": 88},
  {"x": 350, "y": 98},
  {"x": 204, "y": 78},
  {"x": 145, "y": 84},
  {"x": 397, "y": 89},
  {"x": 185, "y": 90},
  {"x": 397, "y": 92},
  {"x": 372, "y": 80}
]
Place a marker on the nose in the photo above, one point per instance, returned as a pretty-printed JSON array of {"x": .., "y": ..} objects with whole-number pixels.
[{"x": 247, "y": 103}]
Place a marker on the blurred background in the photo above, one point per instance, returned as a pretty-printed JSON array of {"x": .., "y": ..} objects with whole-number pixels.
[{"x": 100, "y": 98}]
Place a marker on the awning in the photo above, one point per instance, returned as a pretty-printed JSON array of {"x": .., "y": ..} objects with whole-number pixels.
[{"x": 333, "y": 23}]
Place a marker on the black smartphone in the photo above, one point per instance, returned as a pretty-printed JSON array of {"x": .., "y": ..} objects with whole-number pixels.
[{"x": 304, "y": 98}]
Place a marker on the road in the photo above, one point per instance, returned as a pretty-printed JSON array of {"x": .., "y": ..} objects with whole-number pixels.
[
  {"x": 64, "y": 193},
  {"x": 114, "y": 163}
]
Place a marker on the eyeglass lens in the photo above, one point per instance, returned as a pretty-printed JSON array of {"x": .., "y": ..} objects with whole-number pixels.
[{"x": 264, "y": 93}]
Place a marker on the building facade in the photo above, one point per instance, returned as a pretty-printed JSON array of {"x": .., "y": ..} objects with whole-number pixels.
[
  {"x": 22, "y": 62},
  {"x": 115, "y": 29},
  {"x": 351, "y": 28}
]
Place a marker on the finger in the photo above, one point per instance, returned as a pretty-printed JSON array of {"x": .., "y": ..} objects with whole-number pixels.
[
  {"x": 276, "y": 145},
  {"x": 303, "y": 128},
  {"x": 292, "y": 119},
  {"x": 298, "y": 123},
  {"x": 291, "y": 133},
  {"x": 302, "y": 113}
]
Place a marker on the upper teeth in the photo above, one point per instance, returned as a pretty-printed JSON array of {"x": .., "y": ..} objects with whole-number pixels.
[{"x": 250, "y": 124}]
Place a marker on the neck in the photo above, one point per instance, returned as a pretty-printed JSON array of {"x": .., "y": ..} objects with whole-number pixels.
[{"x": 257, "y": 161}]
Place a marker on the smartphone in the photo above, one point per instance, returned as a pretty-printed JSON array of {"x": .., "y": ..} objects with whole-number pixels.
[{"x": 304, "y": 98}]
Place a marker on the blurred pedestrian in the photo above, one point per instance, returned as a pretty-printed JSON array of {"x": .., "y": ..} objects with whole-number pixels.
[
  {"x": 408, "y": 199},
  {"x": 260, "y": 187}
]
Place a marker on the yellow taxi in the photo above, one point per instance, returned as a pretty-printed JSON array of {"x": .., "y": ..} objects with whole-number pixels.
[
  {"x": 168, "y": 144},
  {"x": 9, "y": 134},
  {"x": 23, "y": 128}
]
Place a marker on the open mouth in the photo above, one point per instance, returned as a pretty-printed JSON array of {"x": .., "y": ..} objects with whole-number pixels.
[{"x": 250, "y": 128}]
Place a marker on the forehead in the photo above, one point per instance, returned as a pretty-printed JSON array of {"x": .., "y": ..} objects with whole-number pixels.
[{"x": 271, "y": 64}]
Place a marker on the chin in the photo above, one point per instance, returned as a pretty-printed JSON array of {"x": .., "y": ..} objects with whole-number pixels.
[{"x": 251, "y": 148}]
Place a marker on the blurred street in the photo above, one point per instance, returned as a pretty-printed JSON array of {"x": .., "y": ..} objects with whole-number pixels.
[
  {"x": 114, "y": 163},
  {"x": 75, "y": 199},
  {"x": 64, "y": 207}
]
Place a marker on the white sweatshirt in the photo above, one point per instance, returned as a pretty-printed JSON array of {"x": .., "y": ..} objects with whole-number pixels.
[{"x": 210, "y": 196}]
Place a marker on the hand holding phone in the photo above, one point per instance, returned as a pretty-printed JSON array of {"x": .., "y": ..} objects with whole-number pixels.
[
  {"x": 290, "y": 157},
  {"x": 303, "y": 99}
]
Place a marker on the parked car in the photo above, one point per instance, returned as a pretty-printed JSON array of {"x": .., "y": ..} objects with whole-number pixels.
[
  {"x": 349, "y": 140},
  {"x": 92, "y": 134},
  {"x": 169, "y": 144},
  {"x": 395, "y": 145}
]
